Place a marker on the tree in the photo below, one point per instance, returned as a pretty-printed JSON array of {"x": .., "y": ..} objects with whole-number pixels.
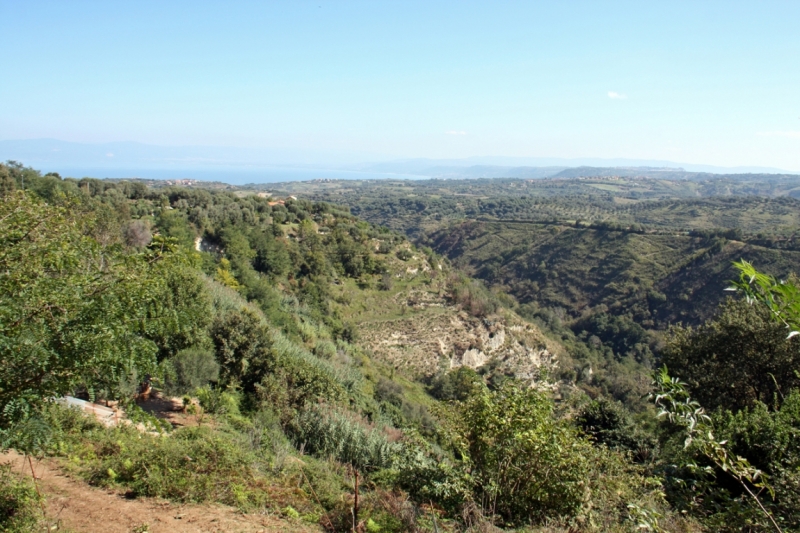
[
  {"x": 740, "y": 357},
  {"x": 609, "y": 423},
  {"x": 457, "y": 384},
  {"x": 72, "y": 312},
  {"x": 174, "y": 224},
  {"x": 178, "y": 318},
  {"x": 243, "y": 348},
  {"x": 7, "y": 184},
  {"x": 271, "y": 255}
]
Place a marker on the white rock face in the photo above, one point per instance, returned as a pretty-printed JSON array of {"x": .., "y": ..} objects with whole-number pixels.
[
  {"x": 435, "y": 334},
  {"x": 472, "y": 358},
  {"x": 496, "y": 340}
]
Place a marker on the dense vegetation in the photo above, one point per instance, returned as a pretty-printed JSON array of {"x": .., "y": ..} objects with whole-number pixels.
[
  {"x": 247, "y": 307},
  {"x": 606, "y": 263}
]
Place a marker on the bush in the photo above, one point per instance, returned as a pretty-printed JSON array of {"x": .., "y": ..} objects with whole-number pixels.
[
  {"x": 19, "y": 502},
  {"x": 456, "y": 384},
  {"x": 770, "y": 440},
  {"x": 390, "y": 392},
  {"x": 739, "y": 358},
  {"x": 325, "y": 349},
  {"x": 472, "y": 296},
  {"x": 191, "y": 465},
  {"x": 217, "y": 401},
  {"x": 609, "y": 423},
  {"x": 191, "y": 368},
  {"x": 526, "y": 465},
  {"x": 428, "y": 477},
  {"x": 387, "y": 282}
]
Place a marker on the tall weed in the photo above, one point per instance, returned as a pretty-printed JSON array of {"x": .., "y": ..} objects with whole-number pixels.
[{"x": 329, "y": 433}]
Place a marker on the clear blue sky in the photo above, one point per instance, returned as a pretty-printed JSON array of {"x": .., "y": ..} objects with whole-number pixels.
[{"x": 697, "y": 81}]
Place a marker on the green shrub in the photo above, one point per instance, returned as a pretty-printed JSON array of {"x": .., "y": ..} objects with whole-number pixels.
[
  {"x": 472, "y": 296},
  {"x": 456, "y": 384},
  {"x": 325, "y": 349},
  {"x": 387, "y": 281},
  {"x": 191, "y": 465},
  {"x": 218, "y": 401},
  {"x": 739, "y": 358},
  {"x": 19, "y": 502},
  {"x": 428, "y": 477},
  {"x": 526, "y": 465},
  {"x": 770, "y": 440},
  {"x": 191, "y": 368},
  {"x": 609, "y": 423},
  {"x": 324, "y": 480}
]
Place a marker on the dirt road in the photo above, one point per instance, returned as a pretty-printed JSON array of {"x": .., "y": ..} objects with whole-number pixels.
[{"x": 78, "y": 507}]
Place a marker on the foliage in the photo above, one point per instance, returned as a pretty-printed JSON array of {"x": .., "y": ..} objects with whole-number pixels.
[
  {"x": 191, "y": 368},
  {"x": 782, "y": 298},
  {"x": 526, "y": 465},
  {"x": 19, "y": 503},
  {"x": 675, "y": 403},
  {"x": 610, "y": 424},
  {"x": 243, "y": 348},
  {"x": 192, "y": 464},
  {"x": 770, "y": 440},
  {"x": 268, "y": 342},
  {"x": 225, "y": 276},
  {"x": 737, "y": 359},
  {"x": 178, "y": 317},
  {"x": 624, "y": 336},
  {"x": 71, "y": 311},
  {"x": 329, "y": 433},
  {"x": 472, "y": 296},
  {"x": 429, "y": 477},
  {"x": 457, "y": 384}
]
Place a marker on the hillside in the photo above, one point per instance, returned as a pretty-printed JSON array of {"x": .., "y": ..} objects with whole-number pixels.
[
  {"x": 302, "y": 342},
  {"x": 768, "y": 207},
  {"x": 656, "y": 250},
  {"x": 656, "y": 279},
  {"x": 280, "y": 362}
]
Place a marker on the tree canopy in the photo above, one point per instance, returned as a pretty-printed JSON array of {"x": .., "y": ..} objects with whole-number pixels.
[{"x": 76, "y": 313}]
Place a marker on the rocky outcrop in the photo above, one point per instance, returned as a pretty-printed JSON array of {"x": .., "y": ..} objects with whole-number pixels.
[{"x": 439, "y": 337}]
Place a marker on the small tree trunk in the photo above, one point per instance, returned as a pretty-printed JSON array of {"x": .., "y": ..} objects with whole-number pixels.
[{"x": 355, "y": 502}]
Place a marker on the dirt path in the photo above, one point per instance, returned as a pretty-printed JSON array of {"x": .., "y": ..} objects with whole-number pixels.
[{"x": 81, "y": 508}]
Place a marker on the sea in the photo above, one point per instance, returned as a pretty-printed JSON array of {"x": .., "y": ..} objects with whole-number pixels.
[{"x": 231, "y": 175}]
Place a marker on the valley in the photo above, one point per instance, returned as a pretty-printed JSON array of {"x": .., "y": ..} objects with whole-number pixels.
[{"x": 415, "y": 336}]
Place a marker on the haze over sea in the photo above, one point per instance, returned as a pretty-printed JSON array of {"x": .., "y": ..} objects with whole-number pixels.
[{"x": 233, "y": 175}]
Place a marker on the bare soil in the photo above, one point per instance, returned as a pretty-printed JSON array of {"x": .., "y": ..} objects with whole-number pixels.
[{"x": 73, "y": 505}]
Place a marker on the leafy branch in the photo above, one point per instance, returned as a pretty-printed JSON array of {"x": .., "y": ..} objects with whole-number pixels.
[
  {"x": 780, "y": 296},
  {"x": 675, "y": 403}
]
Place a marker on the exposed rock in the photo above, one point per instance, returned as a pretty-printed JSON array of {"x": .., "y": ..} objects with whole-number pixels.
[{"x": 440, "y": 336}]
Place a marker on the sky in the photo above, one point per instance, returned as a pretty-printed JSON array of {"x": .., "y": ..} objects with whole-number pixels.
[{"x": 712, "y": 82}]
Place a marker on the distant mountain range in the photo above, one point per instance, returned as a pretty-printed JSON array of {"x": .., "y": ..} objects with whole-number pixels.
[
  {"x": 250, "y": 165},
  {"x": 519, "y": 167}
]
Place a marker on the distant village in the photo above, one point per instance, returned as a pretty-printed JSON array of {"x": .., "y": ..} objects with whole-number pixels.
[{"x": 187, "y": 183}]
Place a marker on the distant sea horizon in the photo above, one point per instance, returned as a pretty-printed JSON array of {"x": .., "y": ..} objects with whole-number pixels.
[{"x": 231, "y": 176}]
